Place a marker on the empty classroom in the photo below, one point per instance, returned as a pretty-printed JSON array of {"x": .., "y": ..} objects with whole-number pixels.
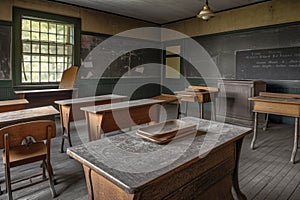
[{"x": 149, "y": 99}]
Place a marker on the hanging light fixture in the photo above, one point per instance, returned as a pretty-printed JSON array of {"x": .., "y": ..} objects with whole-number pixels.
[{"x": 206, "y": 13}]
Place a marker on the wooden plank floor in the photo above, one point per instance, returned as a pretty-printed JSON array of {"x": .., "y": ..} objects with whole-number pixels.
[{"x": 265, "y": 173}]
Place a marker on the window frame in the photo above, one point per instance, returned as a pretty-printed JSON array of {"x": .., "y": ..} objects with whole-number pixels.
[{"x": 18, "y": 13}]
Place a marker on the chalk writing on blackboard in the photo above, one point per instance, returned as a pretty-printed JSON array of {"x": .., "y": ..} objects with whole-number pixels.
[{"x": 275, "y": 64}]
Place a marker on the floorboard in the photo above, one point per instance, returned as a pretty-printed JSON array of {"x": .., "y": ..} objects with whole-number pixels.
[{"x": 265, "y": 173}]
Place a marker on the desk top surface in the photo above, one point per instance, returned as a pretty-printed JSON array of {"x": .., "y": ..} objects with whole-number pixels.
[
  {"x": 121, "y": 105},
  {"x": 20, "y": 115},
  {"x": 13, "y": 102},
  {"x": 43, "y": 91},
  {"x": 131, "y": 162},
  {"x": 90, "y": 99},
  {"x": 275, "y": 100}
]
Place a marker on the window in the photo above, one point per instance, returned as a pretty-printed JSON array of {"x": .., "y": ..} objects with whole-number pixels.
[
  {"x": 173, "y": 61},
  {"x": 48, "y": 45}
]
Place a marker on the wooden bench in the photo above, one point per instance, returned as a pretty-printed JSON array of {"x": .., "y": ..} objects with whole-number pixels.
[
  {"x": 70, "y": 109},
  {"x": 12, "y": 105},
  {"x": 25, "y": 115},
  {"x": 45, "y": 97},
  {"x": 116, "y": 116}
]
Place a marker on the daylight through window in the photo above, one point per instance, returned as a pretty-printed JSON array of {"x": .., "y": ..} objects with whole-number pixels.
[{"x": 47, "y": 50}]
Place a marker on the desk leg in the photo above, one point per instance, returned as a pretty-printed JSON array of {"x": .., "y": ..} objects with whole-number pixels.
[
  {"x": 201, "y": 110},
  {"x": 65, "y": 125},
  {"x": 295, "y": 140},
  {"x": 266, "y": 122},
  {"x": 235, "y": 175},
  {"x": 254, "y": 131},
  {"x": 213, "y": 109},
  {"x": 178, "y": 110},
  {"x": 94, "y": 123}
]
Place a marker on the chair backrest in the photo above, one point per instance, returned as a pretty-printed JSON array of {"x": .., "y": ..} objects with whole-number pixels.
[
  {"x": 37, "y": 129},
  {"x": 68, "y": 78}
]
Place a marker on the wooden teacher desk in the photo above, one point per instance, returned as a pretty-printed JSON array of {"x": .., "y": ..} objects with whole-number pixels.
[
  {"x": 204, "y": 95},
  {"x": 25, "y": 115},
  {"x": 116, "y": 116},
  {"x": 277, "y": 104},
  {"x": 45, "y": 97},
  {"x": 203, "y": 166},
  {"x": 70, "y": 109}
]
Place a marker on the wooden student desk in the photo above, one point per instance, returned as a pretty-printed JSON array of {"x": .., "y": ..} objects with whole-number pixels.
[
  {"x": 45, "y": 97},
  {"x": 205, "y": 95},
  {"x": 277, "y": 104},
  {"x": 71, "y": 108},
  {"x": 25, "y": 115},
  {"x": 116, "y": 116},
  {"x": 203, "y": 166},
  {"x": 11, "y": 105}
]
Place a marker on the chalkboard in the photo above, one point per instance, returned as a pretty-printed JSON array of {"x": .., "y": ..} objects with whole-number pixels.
[
  {"x": 272, "y": 64},
  {"x": 5, "y": 43}
]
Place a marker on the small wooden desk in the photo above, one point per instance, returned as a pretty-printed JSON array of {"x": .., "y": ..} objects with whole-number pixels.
[
  {"x": 277, "y": 105},
  {"x": 12, "y": 105},
  {"x": 45, "y": 97},
  {"x": 116, "y": 116},
  {"x": 25, "y": 115},
  {"x": 126, "y": 166},
  {"x": 71, "y": 107},
  {"x": 205, "y": 95}
]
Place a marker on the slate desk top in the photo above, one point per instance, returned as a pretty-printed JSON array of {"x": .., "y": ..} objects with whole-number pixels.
[
  {"x": 131, "y": 162},
  {"x": 90, "y": 99}
]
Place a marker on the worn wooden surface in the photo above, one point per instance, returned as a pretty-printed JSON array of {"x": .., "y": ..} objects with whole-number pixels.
[
  {"x": 11, "y": 105},
  {"x": 45, "y": 97},
  {"x": 13, "y": 117},
  {"x": 68, "y": 78},
  {"x": 189, "y": 162},
  {"x": 110, "y": 117},
  {"x": 264, "y": 173},
  {"x": 70, "y": 110},
  {"x": 279, "y": 95},
  {"x": 278, "y": 106}
]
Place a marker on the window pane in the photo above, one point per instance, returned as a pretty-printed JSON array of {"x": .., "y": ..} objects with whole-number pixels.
[
  {"x": 35, "y": 67},
  {"x": 35, "y": 36},
  {"x": 44, "y": 37},
  {"x": 52, "y": 77},
  {"x": 60, "y": 50},
  {"x": 35, "y": 77},
  {"x": 26, "y": 78},
  {"x": 52, "y": 28},
  {"x": 25, "y": 35},
  {"x": 35, "y": 26},
  {"x": 58, "y": 76},
  {"x": 44, "y": 67},
  {"x": 44, "y": 27},
  {"x": 52, "y": 67},
  {"x": 68, "y": 49},
  {"x": 60, "y": 67},
  {"x": 60, "y": 59},
  {"x": 44, "y": 59},
  {"x": 52, "y": 37},
  {"x": 52, "y": 49},
  {"x": 52, "y": 59},
  {"x": 60, "y": 38},
  {"x": 60, "y": 29},
  {"x": 26, "y": 58},
  {"x": 35, "y": 48},
  {"x": 44, "y": 77},
  {"x": 36, "y": 58},
  {"x": 44, "y": 48},
  {"x": 26, "y": 47},
  {"x": 26, "y": 24},
  {"x": 27, "y": 66}
]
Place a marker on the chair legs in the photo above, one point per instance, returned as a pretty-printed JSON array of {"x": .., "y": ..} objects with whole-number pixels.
[
  {"x": 8, "y": 182},
  {"x": 51, "y": 179}
]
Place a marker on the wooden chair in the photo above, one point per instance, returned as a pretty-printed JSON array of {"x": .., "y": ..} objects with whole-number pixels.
[
  {"x": 68, "y": 78},
  {"x": 23, "y": 143}
]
